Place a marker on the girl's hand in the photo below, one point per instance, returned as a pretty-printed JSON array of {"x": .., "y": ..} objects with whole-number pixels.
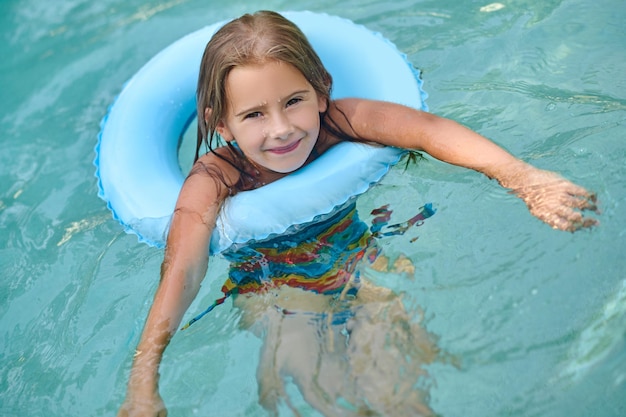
[
  {"x": 553, "y": 199},
  {"x": 142, "y": 395},
  {"x": 137, "y": 405}
]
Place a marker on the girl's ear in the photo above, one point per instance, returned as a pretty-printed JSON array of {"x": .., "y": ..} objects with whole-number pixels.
[
  {"x": 221, "y": 127},
  {"x": 224, "y": 131},
  {"x": 322, "y": 104}
]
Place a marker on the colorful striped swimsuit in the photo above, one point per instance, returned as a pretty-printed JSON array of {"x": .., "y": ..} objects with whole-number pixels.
[{"x": 321, "y": 257}]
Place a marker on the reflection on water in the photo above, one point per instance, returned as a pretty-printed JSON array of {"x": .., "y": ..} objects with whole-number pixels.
[{"x": 602, "y": 337}]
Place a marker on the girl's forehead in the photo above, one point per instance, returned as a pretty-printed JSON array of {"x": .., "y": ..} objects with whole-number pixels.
[
  {"x": 269, "y": 77},
  {"x": 264, "y": 67}
]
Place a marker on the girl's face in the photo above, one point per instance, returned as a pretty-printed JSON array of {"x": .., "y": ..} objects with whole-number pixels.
[{"x": 272, "y": 112}]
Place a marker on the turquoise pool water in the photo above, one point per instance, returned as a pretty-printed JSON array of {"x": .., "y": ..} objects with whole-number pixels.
[{"x": 535, "y": 318}]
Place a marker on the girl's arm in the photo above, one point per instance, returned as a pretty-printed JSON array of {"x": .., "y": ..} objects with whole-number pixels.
[
  {"x": 184, "y": 266},
  {"x": 549, "y": 197}
]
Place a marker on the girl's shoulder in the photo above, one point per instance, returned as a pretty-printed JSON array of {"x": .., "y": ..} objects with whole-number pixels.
[{"x": 219, "y": 166}]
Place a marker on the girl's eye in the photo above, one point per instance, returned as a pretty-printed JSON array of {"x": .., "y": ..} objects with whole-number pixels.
[
  {"x": 293, "y": 101},
  {"x": 252, "y": 115}
]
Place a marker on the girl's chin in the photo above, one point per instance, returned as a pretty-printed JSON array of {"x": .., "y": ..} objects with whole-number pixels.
[{"x": 287, "y": 169}]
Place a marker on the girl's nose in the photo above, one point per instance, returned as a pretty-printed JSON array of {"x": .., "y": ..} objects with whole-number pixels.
[{"x": 281, "y": 127}]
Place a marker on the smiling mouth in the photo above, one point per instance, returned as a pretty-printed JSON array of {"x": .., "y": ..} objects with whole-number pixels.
[{"x": 285, "y": 149}]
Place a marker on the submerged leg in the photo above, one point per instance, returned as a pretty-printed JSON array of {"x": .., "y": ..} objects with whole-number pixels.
[
  {"x": 387, "y": 352},
  {"x": 366, "y": 360}
]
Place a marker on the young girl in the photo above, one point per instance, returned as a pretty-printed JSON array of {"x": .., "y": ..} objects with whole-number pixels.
[{"x": 264, "y": 90}]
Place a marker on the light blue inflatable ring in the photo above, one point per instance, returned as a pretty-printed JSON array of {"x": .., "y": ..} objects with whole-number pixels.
[{"x": 136, "y": 161}]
